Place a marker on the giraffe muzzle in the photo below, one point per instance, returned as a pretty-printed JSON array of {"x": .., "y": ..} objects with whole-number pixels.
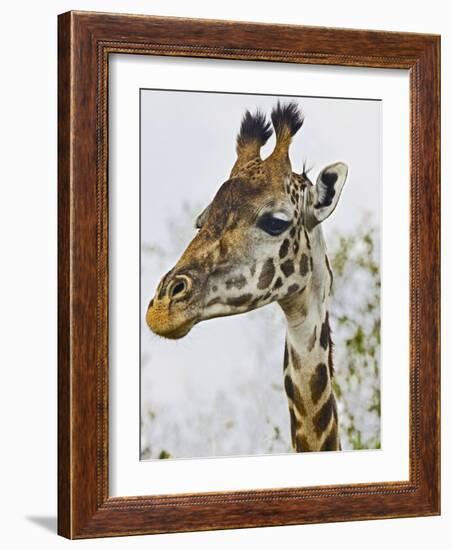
[{"x": 170, "y": 313}]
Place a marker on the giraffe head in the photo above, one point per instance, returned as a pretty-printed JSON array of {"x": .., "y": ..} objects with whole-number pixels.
[{"x": 253, "y": 241}]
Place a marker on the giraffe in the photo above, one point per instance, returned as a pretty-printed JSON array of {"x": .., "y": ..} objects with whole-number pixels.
[{"x": 260, "y": 241}]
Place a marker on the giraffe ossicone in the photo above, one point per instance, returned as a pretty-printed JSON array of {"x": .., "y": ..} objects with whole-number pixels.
[{"x": 260, "y": 241}]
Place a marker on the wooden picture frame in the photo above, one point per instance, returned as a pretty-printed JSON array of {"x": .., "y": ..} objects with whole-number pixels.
[{"x": 85, "y": 42}]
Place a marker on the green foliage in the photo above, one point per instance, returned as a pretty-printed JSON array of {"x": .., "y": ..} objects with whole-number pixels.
[{"x": 356, "y": 322}]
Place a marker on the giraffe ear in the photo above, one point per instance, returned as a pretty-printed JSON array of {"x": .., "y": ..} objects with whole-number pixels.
[
  {"x": 327, "y": 190},
  {"x": 254, "y": 133}
]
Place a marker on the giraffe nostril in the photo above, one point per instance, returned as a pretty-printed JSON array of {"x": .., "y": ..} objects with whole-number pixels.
[{"x": 178, "y": 288}]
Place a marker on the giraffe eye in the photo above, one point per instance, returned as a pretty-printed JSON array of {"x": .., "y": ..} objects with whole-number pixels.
[{"x": 272, "y": 225}]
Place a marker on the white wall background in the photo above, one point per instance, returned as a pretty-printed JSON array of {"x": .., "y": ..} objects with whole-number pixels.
[{"x": 28, "y": 289}]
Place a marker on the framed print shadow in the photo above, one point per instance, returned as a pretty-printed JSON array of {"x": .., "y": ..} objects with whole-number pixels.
[{"x": 248, "y": 275}]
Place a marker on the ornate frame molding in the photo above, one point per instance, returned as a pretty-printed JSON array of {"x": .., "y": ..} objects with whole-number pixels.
[{"x": 85, "y": 42}]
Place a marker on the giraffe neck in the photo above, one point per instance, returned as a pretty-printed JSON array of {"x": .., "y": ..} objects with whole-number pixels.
[{"x": 308, "y": 366}]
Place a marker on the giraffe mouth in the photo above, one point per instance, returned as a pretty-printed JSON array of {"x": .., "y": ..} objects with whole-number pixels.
[
  {"x": 171, "y": 325},
  {"x": 177, "y": 333}
]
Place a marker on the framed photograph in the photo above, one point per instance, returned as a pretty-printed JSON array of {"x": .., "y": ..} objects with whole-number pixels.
[{"x": 249, "y": 264}]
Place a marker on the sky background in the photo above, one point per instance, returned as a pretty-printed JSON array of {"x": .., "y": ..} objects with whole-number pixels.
[{"x": 187, "y": 152}]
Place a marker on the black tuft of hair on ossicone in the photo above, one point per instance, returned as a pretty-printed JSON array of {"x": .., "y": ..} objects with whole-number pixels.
[
  {"x": 254, "y": 127},
  {"x": 287, "y": 116}
]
